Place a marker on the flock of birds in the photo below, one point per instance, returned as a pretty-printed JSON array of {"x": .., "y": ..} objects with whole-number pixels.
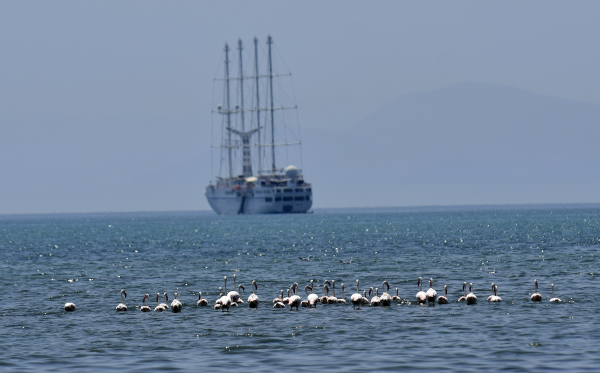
[{"x": 233, "y": 298}]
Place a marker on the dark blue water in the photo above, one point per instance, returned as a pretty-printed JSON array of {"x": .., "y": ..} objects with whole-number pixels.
[{"x": 87, "y": 259}]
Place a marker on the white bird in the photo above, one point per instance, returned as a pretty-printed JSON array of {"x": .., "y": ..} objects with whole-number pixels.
[
  {"x": 233, "y": 295},
  {"x": 69, "y": 307},
  {"x": 386, "y": 299},
  {"x": 312, "y": 298},
  {"x": 364, "y": 300},
  {"x": 145, "y": 307},
  {"x": 218, "y": 301},
  {"x": 431, "y": 294},
  {"x": 253, "y": 298},
  {"x": 443, "y": 299},
  {"x": 332, "y": 299},
  {"x": 471, "y": 298},
  {"x": 305, "y": 303},
  {"x": 553, "y": 299},
  {"x": 159, "y": 307},
  {"x": 421, "y": 297},
  {"x": 325, "y": 296},
  {"x": 218, "y": 305},
  {"x": 201, "y": 301},
  {"x": 342, "y": 299},
  {"x": 225, "y": 301},
  {"x": 356, "y": 298},
  {"x": 295, "y": 299},
  {"x": 176, "y": 305},
  {"x": 396, "y": 297},
  {"x": 240, "y": 300},
  {"x": 496, "y": 298},
  {"x": 286, "y": 300},
  {"x": 122, "y": 306},
  {"x": 165, "y": 305},
  {"x": 536, "y": 297},
  {"x": 464, "y": 297},
  {"x": 492, "y": 296},
  {"x": 375, "y": 301},
  {"x": 277, "y": 302},
  {"x": 279, "y": 298}
]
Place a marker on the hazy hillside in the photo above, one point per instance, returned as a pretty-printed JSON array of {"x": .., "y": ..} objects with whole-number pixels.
[{"x": 465, "y": 144}]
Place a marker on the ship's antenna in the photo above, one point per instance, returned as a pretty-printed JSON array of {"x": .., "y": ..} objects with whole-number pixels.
[
  {"x": 269, "y": 42},
  {"x": 257, "y": 101},
  {"x": 228, "y": 110},
  {"x": 241, "y": 84}
]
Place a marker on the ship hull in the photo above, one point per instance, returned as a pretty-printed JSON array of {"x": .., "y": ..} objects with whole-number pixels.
[{"x": 225, "y": 201}]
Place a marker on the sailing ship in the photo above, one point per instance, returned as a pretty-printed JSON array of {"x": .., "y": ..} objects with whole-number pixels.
[{"x": 268, "y": 189}]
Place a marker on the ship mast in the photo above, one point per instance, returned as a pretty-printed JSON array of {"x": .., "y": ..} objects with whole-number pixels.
[
  {"x": 241, "y": 84},
  {"x": 228, "y": 110},
  {"x": 257, "y": 102},
  {"x": 269, "y": 42}
]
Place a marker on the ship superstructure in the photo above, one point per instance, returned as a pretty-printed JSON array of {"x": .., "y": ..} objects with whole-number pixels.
[{"x": 252, "y": 131}]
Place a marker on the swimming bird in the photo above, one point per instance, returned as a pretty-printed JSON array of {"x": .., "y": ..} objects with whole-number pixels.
[
  {"x": 553, "y": 299},
  {"x": 69, "y": 307},
  {"x": 312, "y": 298},
  {"x": 279, "y": 303},
  {"x": 536, "y": 297},
  {"x": 233, "y": 295},
  {"x": 396, "y": 297},
  {"x": 279, "y": 298},
  {"x": 471, "y": 298},
  {"x": 253, "y": 298},
  {"x": 350, "y": 262},
  {"x": 159, "y": 307},
  {"x": 165, "y": 305},
  {"x": 464, "y": 297},
  {"x": 121, "y": 306},
  {"x": 364, "y": 300},
  {"x": 332, "y": 299},
  {"x": 325, "y": 296},
  {"x": 295, "y": 299},
  {"x": 495, "y": 297},
  {"x": 286, "y": 300},
  {"x": 145, "y": 307},
  {"x": 356, "y": 298},
  {"x": 225, "y": 301},
  {"x": 307, "y": 258},
  {"x": 305, "y": 303},
  {"x": 218, "y": 301},
  {"x": 443, "y": 299},
  {"x": 431, "y": 294},
  {"x": 421, "y": 297},
  {"x": 240, "y": 300},
  {"x": 201, "y": 301},
  {"x": 492, "y": 296},
  {"x": 176, "y": 305},
  {"x": 342, "y": 299},
  {"x": 375, "y": 301},
  {"x": 386, "y": 299}
]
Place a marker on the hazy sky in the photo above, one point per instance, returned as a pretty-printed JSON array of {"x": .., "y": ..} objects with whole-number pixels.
[{"x": 96, "y": 94}]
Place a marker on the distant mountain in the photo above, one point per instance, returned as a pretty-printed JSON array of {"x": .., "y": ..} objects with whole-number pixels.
[{"x": 470, "y": 143}]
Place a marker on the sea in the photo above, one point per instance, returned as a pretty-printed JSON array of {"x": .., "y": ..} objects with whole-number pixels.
[{"x": 87, "y": 259}]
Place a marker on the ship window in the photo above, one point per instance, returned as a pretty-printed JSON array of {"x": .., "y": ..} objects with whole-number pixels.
[
  {"x": 288, "y": 198},
  {"x": 300, "y": 198},
  {"x": 277, "y": 199},
  {"x": 268, "y": 199},
  {"x": 308, "y": 189},
  {"x": 299, "y": 190},
  {"x": 288, "y": 190},
  {"x": 308, "y": 198}
]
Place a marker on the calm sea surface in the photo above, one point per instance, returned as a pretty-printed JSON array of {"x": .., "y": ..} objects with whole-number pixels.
[{"x": 48, "y": 260}]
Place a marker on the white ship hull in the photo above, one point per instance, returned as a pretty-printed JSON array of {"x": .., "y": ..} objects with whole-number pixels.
[{"x": 266, "y": 200}]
